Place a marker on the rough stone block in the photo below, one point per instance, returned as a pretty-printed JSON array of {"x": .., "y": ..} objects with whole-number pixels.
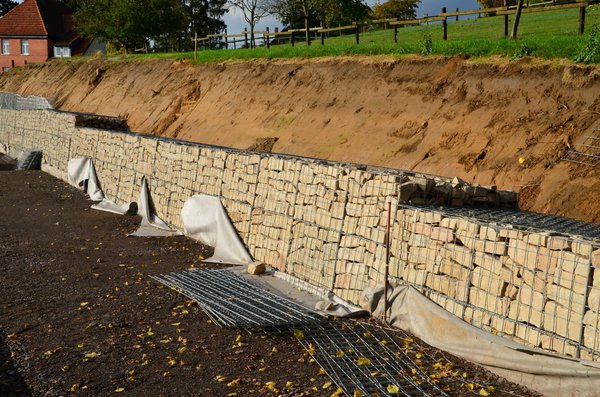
[
  {"x": 491, "y": 247},
  {"x": 489, "y": 282},
  {"x": 512, "y": 234},
  {"x": 488, "y": 233},
  {"x": 442, "y": 234},
  {"x": 257, "y": 268},
  {"x": 566, "y": 297},
  {"x": 583, "y": 248},
  {"x": 524, "y": 313},
  {"x": 558, "y": 243},
  {"x": 570, "y": 262},
  {"x": 528, "y": 296},
  {"x": 454, "y": 269},
  {"x": 538, "y": 239},
  {"x": 488, "y": 262},
  {"x": 562, "y": 321}
]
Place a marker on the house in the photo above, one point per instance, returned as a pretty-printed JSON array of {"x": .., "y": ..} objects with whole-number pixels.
[{"x": 37, "y": 30}]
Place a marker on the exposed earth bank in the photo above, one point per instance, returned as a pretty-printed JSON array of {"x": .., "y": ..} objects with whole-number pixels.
[{"x": 451, "y": 117}]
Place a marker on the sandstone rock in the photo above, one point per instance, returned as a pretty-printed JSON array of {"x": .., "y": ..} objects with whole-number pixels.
[{"x": 257, "y": 268}]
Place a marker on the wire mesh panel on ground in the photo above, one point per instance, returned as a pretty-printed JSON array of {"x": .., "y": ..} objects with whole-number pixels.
[
  {"x": 359, "y": 356},
  {"x": 586, "y": 152},
  {"x": 231, "y": 300}
]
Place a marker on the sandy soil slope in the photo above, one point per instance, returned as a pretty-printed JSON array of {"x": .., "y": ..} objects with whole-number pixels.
[{"x": 441, "y": 116}]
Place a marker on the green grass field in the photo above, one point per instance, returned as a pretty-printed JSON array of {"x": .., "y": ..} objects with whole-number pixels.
[{"x": 547, "y": 35}]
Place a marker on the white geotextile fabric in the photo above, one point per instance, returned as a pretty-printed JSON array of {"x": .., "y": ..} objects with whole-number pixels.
[
  {"x": 80, "y": 170},
  {"x": 546, "y": 373},
  {"x": 205, "y": 220},
  {"x": 152, "y": 225}
]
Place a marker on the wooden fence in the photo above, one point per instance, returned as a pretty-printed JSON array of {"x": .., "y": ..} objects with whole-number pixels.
[{"x": 268, "y": 37}]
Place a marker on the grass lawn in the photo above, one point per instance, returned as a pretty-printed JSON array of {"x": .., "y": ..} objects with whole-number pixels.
[{"x": 547, "y": 35}]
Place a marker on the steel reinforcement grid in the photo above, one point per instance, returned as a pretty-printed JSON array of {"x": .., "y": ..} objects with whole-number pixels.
[{"x": 231, "y": 300}]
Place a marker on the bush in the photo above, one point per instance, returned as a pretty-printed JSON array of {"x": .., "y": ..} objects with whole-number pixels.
[
  {"x": 591, "y": 52},
  {"x": 524, "y": 50},
  {"x": 427, "y": 44}
]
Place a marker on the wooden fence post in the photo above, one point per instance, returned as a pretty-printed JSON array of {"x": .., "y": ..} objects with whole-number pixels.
[
  {"x": 322, "y": 37},
  {"x": 457, "y": 10},
  {"x": 195, "y": 46},
  {"x": 396, "y": 31},
  {"x": 582, "y": 19},
  {"x": 226, "y": 40},
  {"x": 292, "y": 39},
  {"x": 276, "y": 39},
  {"x": 268, "y": 38},
  {"x": 445, "y": 24},
  {"x": 246, "y": 37},
  {"x": 357, "y": 32}
]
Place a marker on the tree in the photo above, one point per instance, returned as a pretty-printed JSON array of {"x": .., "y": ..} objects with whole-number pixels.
[
  {"x": 129, "y": 23},
  {"x": 203, "y": 17},
  {"x": 402, "y": 9},
  {"x": 290, "y": 11},
  {"x": 6, "y": 6},
  {"x": 253, "y": 11}
]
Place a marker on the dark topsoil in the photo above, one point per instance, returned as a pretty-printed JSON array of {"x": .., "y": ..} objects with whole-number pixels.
[{"x": 79, "y": 314}]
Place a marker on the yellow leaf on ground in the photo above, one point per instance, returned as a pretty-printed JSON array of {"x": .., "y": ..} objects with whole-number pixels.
[
  {"x": 327, "y": 385},
  {"x": 483, "y": 393},
  {"x": 363, "y": 361},
  {"x": 92, "y": 355},
  {"x": 220, "y": 378},
  {"x": 358, "y": 393},
  {"x": 234, "y": 382},
  {"x": 83, "y": 304},
  {"x": 339, "y": 354},
  {"x": 393, "y": 389},
  {"x": 120, "y": 390},
  {"x": 289, "y": 384},
  {"x": 337, "y": 393},
  {"x": 298, "y": 333}
]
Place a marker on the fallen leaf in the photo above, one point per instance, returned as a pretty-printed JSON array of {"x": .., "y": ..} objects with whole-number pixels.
[
  {"x": 483, "y": 393},
  {"x": 298, "y": 333},
  {"x": 327, "y": 385},
  {"x": 234, "y": 382},
  {"x": 91, "y": 355},
  {"x": 363, "y": 361},
  {"x": 393, "y": 389},
  {"x": 120, "y": 390}
]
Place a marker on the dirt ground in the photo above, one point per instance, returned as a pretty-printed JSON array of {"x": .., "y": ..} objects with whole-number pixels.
[
  {"x": 453, "y": 117},
  {"x": 79, "y": 314}
]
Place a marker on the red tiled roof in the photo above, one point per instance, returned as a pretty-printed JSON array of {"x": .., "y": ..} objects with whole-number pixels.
[{"x": 35, "y": 18}]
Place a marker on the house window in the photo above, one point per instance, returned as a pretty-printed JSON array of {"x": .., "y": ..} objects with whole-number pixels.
[
  {"x": 62, "y": 52},
  {"x": 5, "y": 69},
  {"x": 5, "y": 47},
  {"x": 25, "y": 47}
]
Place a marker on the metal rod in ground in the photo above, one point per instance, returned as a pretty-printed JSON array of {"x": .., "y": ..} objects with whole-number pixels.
[{"x": 387, "y": 263}]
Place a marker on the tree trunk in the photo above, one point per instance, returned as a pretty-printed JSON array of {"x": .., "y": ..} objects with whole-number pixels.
[
  {"x": 515, "y": 28},
  {"x": 306, "y": 28}
]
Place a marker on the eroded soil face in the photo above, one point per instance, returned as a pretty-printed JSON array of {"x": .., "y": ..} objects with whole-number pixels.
[
  {"x": 450, "y": 117},
  {"x": 80, "y": 315}
]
